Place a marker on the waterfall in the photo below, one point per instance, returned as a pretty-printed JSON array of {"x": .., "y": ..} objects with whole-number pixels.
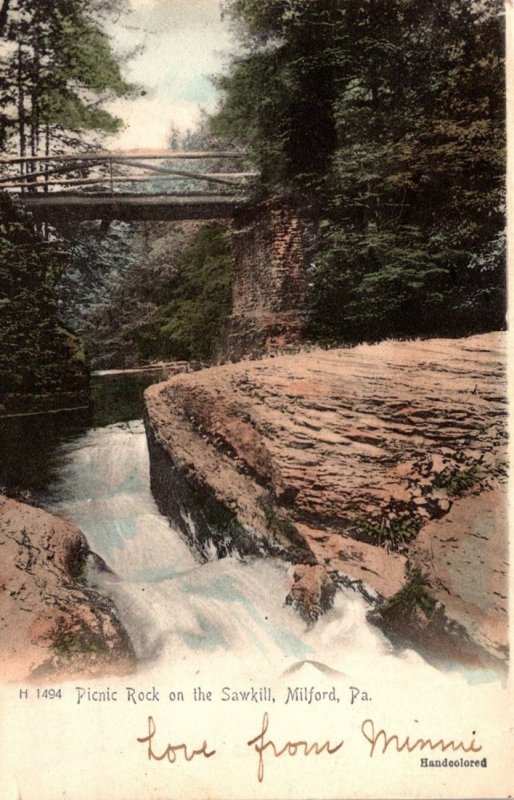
[{"x": 179, "y": 612}]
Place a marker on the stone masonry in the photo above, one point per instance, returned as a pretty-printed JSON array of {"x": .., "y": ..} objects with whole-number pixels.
[{"x": 269, "y": 294}]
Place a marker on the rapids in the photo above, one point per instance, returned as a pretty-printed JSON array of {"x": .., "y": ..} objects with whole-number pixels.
[{"x": 186, "y": 616}]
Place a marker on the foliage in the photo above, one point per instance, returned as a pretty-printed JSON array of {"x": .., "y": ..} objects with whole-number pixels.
[
  {"x": 456, "y": 481},
  {"x": 147, "y": 291},
  {"x": 279, "y": 95},
  {"x": 58, "y": 71},
  {"x": 459, "y": 479},
  {"x": 118, "y": 398},
  {"x": 394, "y": 533},
  {"x": 69, "y": 643},
  {"x": 278, "y": 524},
  {"x": 117, "y": 281},
  {"x": 388, "y": 119},
  {"x": 191, "y": 323},
  {"x": 413, "y": 597},
  {"x": 97, "y": 260},
  {"x": 37, "y": 353}
]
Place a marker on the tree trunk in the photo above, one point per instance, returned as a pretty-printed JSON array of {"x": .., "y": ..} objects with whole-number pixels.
[
  {"x": 21, "y": 106},
  {"x": 4, "y": 11}
]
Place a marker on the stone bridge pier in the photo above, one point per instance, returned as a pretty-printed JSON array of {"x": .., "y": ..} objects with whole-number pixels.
[{"x": 269, "y": 307}]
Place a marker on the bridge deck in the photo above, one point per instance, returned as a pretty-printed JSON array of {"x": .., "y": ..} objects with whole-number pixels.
[{"x": 54, "y": 206}]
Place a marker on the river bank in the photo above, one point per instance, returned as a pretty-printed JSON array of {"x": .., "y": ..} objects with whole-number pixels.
[
  {"x": 31, "y": 433},
  {"x": 300, "y": 478},
  {"x": 338, "y": 461},
  {"x": 94, "y": 394},
  {"x": 52, "y": 624},
  {"x": 181, "y": 613}
]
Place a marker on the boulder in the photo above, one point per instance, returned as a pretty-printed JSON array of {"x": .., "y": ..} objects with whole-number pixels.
[
  {"x": 52, "y": 625},
  {"x": 310, "y": 590},
  {"x": 337, "y": 458}
]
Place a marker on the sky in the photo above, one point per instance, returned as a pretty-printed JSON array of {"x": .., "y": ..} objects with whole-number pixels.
[{"x": 177, "y": 44}]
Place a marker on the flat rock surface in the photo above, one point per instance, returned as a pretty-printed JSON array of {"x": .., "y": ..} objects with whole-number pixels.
[
  {"x": 358, "y": 447},
  {"x": 51, "y": 623},
  {"x": 464, "y": 557}
]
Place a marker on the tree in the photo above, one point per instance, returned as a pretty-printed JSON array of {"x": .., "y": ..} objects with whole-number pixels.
[
  {"x": 278, "y": 97},
  {"x": 38, "y": 354},
  {"x": 59, "y": 70},
  {"x": 389, "y": 118},
  {"x": 198, "y": 299}
]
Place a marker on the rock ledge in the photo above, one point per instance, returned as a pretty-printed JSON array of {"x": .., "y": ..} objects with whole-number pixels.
[
  {"x": 51, "y": 624},
  {"x": 346, "y": 459}
]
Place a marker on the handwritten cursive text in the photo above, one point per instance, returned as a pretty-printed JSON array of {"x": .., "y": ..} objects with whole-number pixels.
[
  {"x": 171, "y": 751},
  {"x": 380, "y": 737},
  {"x": 290, "y": 748}
]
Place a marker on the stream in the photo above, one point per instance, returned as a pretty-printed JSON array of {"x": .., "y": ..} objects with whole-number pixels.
[{"x": 180, "y": 614}]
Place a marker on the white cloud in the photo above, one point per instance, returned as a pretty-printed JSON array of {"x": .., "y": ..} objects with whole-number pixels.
[
  {"x": 148, "y": 122},
  {"x": 183, "y": 42}
]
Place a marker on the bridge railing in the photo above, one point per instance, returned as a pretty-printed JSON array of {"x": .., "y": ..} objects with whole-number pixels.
[{"x": 144, "y": 172}]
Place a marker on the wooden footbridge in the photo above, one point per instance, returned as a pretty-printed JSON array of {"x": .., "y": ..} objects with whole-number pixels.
[{"x": 94, "y": 185}]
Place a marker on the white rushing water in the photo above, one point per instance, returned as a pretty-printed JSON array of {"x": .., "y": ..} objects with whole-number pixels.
[
  {"x": 184, "y": 615},
  {"x": 221, "y": 629}
]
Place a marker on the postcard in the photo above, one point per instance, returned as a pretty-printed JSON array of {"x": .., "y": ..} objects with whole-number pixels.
[{"x": 254, "y": 400}]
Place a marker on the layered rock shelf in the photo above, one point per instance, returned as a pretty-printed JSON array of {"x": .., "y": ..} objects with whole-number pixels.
[
  {"x": 51, "y": 624},
  {"x": 383, "y": 466}
]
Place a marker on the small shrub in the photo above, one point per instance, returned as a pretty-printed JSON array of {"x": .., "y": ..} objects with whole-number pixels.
[
  {"x": 277, "y": 524},
  {"x": 70, "y": 643},
  {"x": 500, "y": 468},
  {"x": 393, "y": 533},
  {"x": 408, "y": 600},
  {"x": 456, "y": 480}
]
